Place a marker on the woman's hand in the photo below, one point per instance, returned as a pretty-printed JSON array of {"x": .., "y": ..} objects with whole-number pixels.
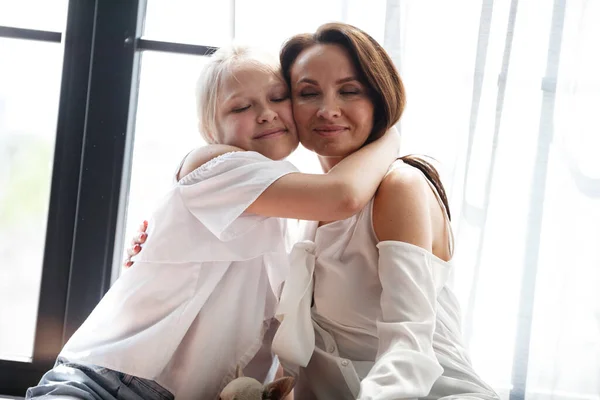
[{"x": 136, "y": 244}]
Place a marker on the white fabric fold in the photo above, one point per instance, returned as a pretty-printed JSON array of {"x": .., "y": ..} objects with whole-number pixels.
[{"x": 294, "y": 341}]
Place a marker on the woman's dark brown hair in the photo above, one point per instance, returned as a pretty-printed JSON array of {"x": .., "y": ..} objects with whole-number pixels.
[{"x": 376, "y": 69}]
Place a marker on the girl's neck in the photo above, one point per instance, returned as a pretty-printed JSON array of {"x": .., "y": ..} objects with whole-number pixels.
[{"x": 329, "y": 162}]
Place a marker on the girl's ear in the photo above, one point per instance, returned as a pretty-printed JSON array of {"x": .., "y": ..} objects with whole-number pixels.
[{"x": 279, "y": 388}]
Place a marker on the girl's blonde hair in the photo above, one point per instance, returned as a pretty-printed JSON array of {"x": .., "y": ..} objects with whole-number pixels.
[{"x": 225, "y": 61}]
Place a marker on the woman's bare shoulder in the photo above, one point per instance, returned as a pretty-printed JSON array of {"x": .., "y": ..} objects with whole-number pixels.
[{"x": 401, "y": 209}]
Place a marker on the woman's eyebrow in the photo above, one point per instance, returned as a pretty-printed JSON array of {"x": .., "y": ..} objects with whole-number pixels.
[
  {"x": 338, "y": 82},
  {"x": 348, "y": 79},
  {"x": 308, "y": 80}
]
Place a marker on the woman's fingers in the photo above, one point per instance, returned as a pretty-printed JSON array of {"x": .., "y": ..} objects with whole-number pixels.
[
  {"x": 139, "y": 238},
  {"x": 133, "y": 250},
  {"x": 141, "y": 235},
  {"x": 136, "y": 241}
]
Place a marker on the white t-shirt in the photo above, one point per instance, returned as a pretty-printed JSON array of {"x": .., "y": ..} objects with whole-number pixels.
[{"x": 199, "y": 297}]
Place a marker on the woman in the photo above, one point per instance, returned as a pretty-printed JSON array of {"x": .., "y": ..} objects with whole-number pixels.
[
  {"x": 366, "y": 312},
  {"x": 386, "y": 325}
]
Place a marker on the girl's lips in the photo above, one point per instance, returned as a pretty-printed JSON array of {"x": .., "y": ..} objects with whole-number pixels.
[{"x": 271, "y": 133}]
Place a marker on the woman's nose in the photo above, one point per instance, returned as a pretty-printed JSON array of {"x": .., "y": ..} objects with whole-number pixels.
[{"x": 329, "y": 110}]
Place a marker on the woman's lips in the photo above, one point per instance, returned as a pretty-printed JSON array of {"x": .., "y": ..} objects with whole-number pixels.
[
  {"x": 329, "y": 130},
  {"x": 271, "y": 133}
]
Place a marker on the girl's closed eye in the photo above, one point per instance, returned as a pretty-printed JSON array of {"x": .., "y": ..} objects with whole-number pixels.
[
  {"x": 279, "y": 99},
  {"x": 238, "y": 110}
]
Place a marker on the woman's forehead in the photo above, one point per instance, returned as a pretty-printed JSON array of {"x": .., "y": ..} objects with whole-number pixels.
[{"x": 323, "y": 60}]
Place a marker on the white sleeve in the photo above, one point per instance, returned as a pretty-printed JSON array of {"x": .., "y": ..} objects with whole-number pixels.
[
  {"x": 218, "y": 192},
  {"x": 406, "y": 366}
]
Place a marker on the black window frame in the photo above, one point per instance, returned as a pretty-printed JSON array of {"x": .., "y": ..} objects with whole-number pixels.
[{"x": 98, "y": 91}]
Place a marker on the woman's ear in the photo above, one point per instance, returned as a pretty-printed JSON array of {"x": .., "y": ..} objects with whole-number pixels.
[{"x": 279, "y": 388}]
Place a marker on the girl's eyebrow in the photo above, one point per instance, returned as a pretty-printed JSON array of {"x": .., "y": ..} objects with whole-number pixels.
[
  {"x": 232, "y": 96},
  {"x": 280, "y": 85}
]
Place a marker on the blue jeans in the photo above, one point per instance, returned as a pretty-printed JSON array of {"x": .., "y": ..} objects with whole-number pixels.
[{"x": 90, "y": 382}]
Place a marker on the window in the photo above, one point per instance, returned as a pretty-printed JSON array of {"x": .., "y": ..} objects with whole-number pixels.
[
  {"x": 55, "y": 155},
  {"x": 49, "y": 15},
  {"x": 29, "y": 93}
]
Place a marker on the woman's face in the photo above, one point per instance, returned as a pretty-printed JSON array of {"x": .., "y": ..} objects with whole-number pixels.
[{"x": 332, "y": 108}]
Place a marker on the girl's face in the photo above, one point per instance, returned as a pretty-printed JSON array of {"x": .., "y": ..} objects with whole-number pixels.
[
  {"x": 254, "y": 113},
  {"x": 332, "y": 107}
]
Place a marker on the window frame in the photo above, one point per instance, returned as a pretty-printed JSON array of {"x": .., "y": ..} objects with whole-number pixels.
[{"x": 94, "y": 131}]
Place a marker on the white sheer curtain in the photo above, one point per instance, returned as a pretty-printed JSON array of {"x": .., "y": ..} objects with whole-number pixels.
[{"x": 506, "y": 95}]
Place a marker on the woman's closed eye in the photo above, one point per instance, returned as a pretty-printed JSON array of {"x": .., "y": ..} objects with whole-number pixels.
[
  {"x": 308, "y": 93},
  {"x": 350, "y": 91}
]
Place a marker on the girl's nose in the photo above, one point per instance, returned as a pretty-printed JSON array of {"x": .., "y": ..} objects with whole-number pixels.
[{"x": 267, "y": 115}]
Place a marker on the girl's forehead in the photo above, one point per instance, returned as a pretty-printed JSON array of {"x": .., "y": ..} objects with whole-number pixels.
[
  {"x": 248, "y": 80},
  {"x": 253, "y": 67},
  {"x": 249, "y": 75}
]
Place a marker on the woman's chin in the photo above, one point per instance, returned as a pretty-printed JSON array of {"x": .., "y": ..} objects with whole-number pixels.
[
  {"x": 339, "y": 147},
  {"x": 331, "y": 150}
]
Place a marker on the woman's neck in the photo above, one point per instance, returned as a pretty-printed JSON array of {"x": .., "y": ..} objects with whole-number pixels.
[{"x": 329, "y": 162}]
